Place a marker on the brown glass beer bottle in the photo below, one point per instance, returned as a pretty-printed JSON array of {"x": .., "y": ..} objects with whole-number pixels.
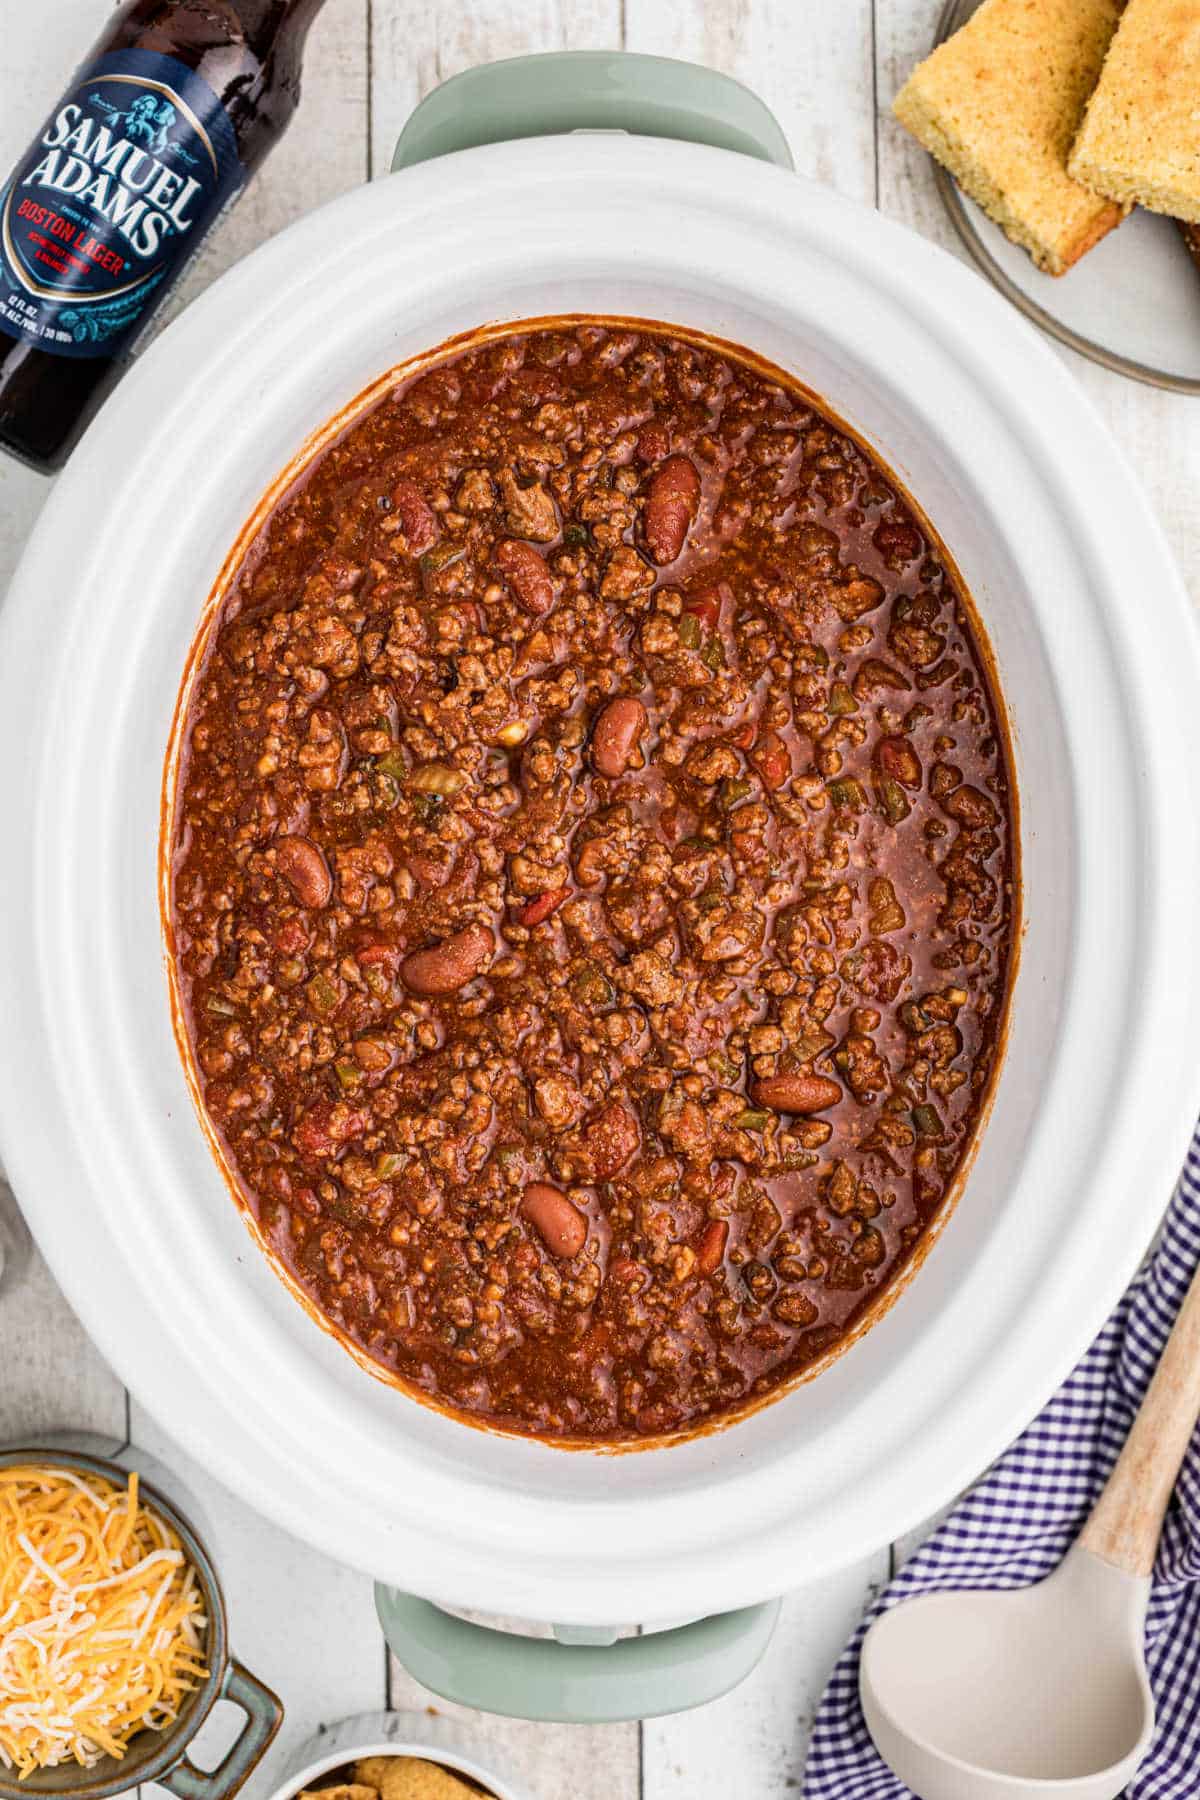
[{"x": 165, "y": 121}]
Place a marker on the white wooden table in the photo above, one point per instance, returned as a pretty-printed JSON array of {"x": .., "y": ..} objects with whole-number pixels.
[{"x": 828, "y": 68}]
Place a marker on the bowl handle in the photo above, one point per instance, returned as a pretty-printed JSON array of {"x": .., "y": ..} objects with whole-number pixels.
[
  {"x": 263, "y": 1715},
  {"x": 591, "y": 90},
  {"x": 580, "y": 1676}
]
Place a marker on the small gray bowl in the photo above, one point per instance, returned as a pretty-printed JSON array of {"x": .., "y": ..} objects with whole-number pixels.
[{"x": 162, "y": 1755}]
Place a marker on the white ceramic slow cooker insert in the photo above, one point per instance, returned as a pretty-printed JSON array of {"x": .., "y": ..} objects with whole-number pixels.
[{"x": 1097, "y": 657}]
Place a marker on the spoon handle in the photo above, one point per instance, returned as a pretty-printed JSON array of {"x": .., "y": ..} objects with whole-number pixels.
[{"x": 1127, "y": 1519}]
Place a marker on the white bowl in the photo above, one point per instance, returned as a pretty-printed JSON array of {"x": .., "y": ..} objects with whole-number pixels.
[
  {"x": 1098, "y": 659},
  {"x": 436, "y": 1740}
]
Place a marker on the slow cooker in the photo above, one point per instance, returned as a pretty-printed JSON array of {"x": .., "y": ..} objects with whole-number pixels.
[{"x": 1097, "y": 656}]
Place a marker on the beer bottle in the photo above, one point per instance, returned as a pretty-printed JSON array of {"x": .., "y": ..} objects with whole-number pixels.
[{"x": 165, "y": 121}]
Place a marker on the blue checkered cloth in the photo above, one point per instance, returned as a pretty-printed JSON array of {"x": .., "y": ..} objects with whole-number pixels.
[{"x": 1017, "y": 1523}]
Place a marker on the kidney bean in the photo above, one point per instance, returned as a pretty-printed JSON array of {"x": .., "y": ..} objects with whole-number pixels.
[
  {"x": 526, "y": 574},
  {"x": 558, "y": 1222},
  {"x": 610, "y": 1138},
  {"x": 542, "y": 905},
  {"x": 620, "y": 726},
  {"x": 672, "y": 502},
  {"x": 418, "y": 521},
  {"x": 301, "y": 863},
  {"x": 899, "y": 761},
  {"x": 445, "y": 967},
  {"x": 710, "y": 1250},
  {"x": 796, "y": 1093}
]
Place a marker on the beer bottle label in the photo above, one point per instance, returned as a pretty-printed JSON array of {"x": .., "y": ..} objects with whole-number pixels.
[{"x": 99, "y": 217}]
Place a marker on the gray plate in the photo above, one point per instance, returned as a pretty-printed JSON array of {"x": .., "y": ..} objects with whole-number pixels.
[{"x": 1132, "y": 304}]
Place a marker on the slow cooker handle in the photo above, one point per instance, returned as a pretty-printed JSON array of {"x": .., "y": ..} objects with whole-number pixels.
[
  {"x": 591, "y": 90},
  {"x": 590, "y": 1679}
]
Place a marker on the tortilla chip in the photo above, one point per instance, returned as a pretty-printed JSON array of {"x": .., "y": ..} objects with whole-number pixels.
[
  {"x": 411, "y": 1778},
  {"x": 346, "y": 1790}
]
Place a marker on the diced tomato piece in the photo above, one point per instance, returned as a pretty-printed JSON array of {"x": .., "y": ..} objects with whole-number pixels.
[
  {"x": 772, "y": 761},
  {"x": 653, "y": 441},
  {"x": 311, "y": 1136},
  {"x": 430, "y": 871},
  {"x": 291, "y": 937},
  {"x": 325, "y": 1127},
  {"x": 705, "y": 606},
  {"x": 346, "y": 1122},
  {"x": 542, "y": 905},
  {"x": 471, "y": 610},
  {"x": 377, "y": 953},
  {"x": 710, "y": 1250}
]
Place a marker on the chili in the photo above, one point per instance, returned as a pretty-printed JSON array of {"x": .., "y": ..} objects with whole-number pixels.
[{"x": 593, "y": 882}]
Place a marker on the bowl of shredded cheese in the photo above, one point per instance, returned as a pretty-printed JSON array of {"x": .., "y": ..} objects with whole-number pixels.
[{"x": 113, "y": 1641}]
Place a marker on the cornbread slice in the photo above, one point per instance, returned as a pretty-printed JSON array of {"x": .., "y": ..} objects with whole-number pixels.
[
  {"x": 1140, "y": 137},
  {"x": 999, "y": 104}
]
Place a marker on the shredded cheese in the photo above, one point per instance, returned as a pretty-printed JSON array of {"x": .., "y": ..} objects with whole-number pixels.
[{"x": 102, "y": 1625}]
